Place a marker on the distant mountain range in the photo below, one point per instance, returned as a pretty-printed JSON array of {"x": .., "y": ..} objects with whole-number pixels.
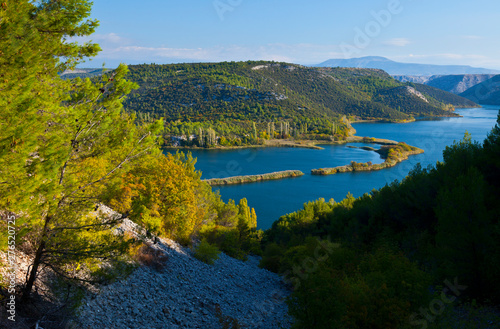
[{"x": 397, "y": 68}]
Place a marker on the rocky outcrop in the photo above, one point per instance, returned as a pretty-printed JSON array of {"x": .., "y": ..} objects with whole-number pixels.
[
  {"x": 413, "y": 91},
  {"x": 412, "y": 78}
]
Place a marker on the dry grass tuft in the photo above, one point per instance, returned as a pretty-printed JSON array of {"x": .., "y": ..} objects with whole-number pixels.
[{"x": 151, "y": 257}]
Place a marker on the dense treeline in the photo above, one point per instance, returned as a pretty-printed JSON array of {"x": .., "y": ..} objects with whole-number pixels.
[
  {"x": 375, "y": 261},
  {"x": 244, "y": 132}
]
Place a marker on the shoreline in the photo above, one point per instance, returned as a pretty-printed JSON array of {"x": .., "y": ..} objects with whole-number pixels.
[
  {"x": 303, "y": 143},
  {"x": 393, "y": 154}
]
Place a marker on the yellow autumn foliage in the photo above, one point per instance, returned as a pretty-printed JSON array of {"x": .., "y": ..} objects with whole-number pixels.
[{"x": 162, "y": 194}]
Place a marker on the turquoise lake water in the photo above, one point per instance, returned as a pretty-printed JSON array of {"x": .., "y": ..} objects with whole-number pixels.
[{"x": 272, "y": 199}]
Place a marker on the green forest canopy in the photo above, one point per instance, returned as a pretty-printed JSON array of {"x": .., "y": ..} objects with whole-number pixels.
[
  {"x": 266, "y": 91},
  {"x": 369, "y": 262}
]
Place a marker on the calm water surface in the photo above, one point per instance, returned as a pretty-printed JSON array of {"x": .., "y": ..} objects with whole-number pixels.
[{"x": 271, "y": 199}]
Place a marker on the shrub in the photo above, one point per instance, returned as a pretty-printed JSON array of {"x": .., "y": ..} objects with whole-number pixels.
[
  {"x": 228, "y": 240},
  {"x": 206, "y": 252},
  {"x": 226, "y": 321},
  {"x": 151, "y": 257},
  {"x": 271, "y": 258}
]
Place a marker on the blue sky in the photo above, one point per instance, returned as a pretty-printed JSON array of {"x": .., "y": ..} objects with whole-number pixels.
[{"x": 304, "y": 32}]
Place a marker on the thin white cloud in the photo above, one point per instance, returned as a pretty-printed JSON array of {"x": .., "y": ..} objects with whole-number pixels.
[
  {"x": 110, "y": 37},
  {"x": 144, "y": 52},
  {"x": 397, "y": 42},
  {"x": 451, "y": 56},
  {"x": 196, "y": 54},
  {"x": 472, "y": 37},
  {"x": 117, "y": 48},
  {"x": 298, "y": 53}
]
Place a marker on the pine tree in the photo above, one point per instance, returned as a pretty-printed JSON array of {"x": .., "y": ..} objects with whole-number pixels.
[
  {"x": 61, "y": 141},
  {"x": 464, "y": 237}
]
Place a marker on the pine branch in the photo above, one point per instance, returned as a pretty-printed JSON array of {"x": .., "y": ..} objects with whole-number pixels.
[
  {"x": 108, "y": 223},
  {"x": 60, "y": 273},
  {"x": 128, "y": 158}
]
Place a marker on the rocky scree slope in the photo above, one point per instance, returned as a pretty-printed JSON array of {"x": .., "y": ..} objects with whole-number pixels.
[{"x": 187, "y": 293}]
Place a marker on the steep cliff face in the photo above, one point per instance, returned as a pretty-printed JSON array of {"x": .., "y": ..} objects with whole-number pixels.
[
  {"x": 486, "y": 92},
  {"x": 455, "y": 84},
  {"x": 413, "y": 78}
]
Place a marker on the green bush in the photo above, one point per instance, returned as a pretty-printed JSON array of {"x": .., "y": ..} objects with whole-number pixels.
[
  {"x": 206, "y": 252},
  {"x": 271, "y": 258},
  {"x": 227, "y": 240}
]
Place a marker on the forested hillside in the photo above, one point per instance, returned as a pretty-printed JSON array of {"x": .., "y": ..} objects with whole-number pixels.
[
  {"x": 444, "y": 96},
  {"x": 240, "y": 102},
  {"x": 265, "y": 91}
]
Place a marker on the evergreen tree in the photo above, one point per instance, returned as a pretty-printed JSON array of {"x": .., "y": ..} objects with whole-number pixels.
[
  {"x": 464, "y": 237},
  {"x": 61, "y": 140}
]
